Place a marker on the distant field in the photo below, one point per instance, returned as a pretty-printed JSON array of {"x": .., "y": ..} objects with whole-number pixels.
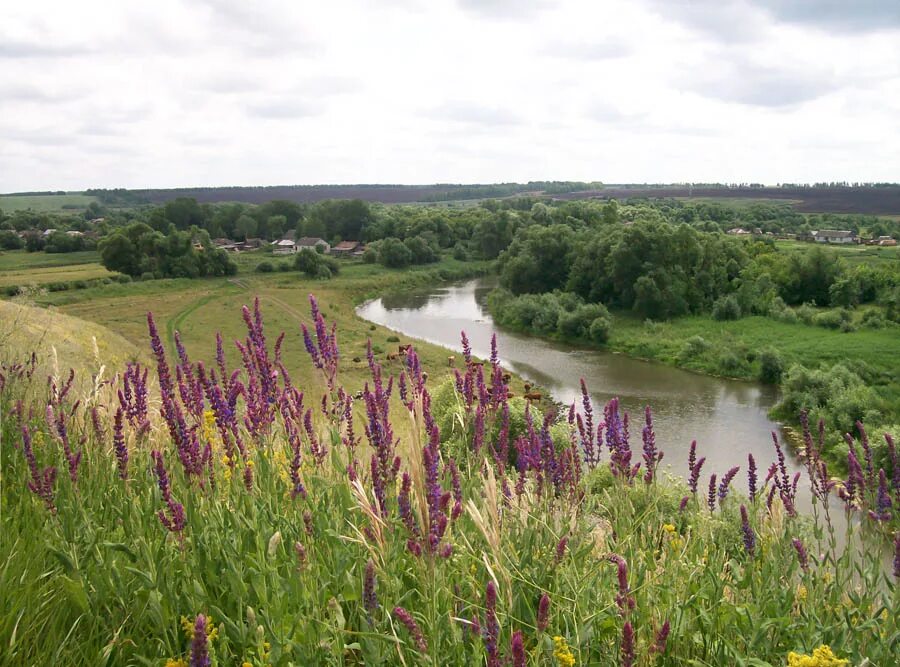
[
  {"x": 15, "y": 260},
  {"x": 875, "y": 201},
  {"x": 852, "y": 254},
  {"x": 53, "y": 274},
  {"x": 68, "y": 203}
]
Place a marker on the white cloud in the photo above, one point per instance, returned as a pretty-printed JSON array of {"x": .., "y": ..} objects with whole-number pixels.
[{"x": 223, "y": 92}]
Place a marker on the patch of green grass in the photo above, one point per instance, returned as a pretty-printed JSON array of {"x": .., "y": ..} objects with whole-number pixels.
[
  {"x": 66, "y": 203},
  {"x": 54, "y": 274},
  {"x": 20, "y": 260},
  {"x": 853, "y": 254}
]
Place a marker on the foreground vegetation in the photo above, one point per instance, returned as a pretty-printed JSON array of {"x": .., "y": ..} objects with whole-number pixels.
[{"x": 229, "y": 513}]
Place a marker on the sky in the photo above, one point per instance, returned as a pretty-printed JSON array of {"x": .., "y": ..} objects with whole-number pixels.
[{"x": 231, "y": 92}]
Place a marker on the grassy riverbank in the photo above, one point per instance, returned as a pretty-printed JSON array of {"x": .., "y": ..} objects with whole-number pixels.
[{"x": 163, "y": 542}]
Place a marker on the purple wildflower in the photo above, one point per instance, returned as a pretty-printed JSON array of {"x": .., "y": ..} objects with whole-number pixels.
[
  {"x": 175, "y": 519},
  {"x": 300, "y": 550},
  {"x": 517, "y": 649},
  {"x": 414, "y": 630},
  {"x": 897, "y": 555},
  {"x": 624, "y": 599},
  {"x": 119, "y": 444},
  {"x": 42, "y": 481},
  {"x": 652, "y": 456},
  {"x": 627, "y": 645},
  {"x": 561, "y": 550},
  {"x": 491, "y": 630},
  {"x": 883, "y": 504},
  {"x": 200, "y": 644},
  {"x": 683, "y": 503},
  {"x": 726, "y": 482},
  {"x": 661, "y": 638},
  {"x": 370, "y": 599},
  {"x": 543, "y": 612},
  {"x": 711, "y": 495},
  {"x": 694, "y": 479},
  {"x": 802, "y": 555},
  {"x": 751, "y": 477}
]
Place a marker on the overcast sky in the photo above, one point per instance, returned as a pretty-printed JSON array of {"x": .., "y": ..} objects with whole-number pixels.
[{"x": 233, "y": 92}]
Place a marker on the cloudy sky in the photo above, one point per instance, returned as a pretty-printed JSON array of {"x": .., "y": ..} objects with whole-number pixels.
[{"x": 231, "y": 92}]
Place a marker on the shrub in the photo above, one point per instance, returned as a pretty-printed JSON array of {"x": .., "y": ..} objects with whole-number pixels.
[
  {"x": 694, "y": 347},
  {"x": 147, "y": 275},
  {"x": 805, "y": 313},
  {"x": 265, "y": 267},
  {"x": 459, "y": 252},
  {"x": 873, "y": 319},
  {"x": 832, "y": 319},
  {"x": 392, "y": 339},
  {"x": 726, "y": 308},
  {"x": 730, "y": 363},
  {"x": 599, "y": 331},
  {"x": 284, "y": 267},
  {"x": 124, "y": 278},
  {"x": 771, "y": 366},
  {"x": 11, "y": 290}
]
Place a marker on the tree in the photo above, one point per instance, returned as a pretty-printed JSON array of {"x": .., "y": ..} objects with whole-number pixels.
[
  {"x": 245, "y": 227},
  {"x": 9, "y": 240},
  {"x": 393, "y": 253}
]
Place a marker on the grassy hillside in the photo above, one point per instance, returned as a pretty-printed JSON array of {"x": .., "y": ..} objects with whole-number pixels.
[{"x": 67, "y": 203}]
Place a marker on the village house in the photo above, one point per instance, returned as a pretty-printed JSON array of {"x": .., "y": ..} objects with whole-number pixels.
[
  {"x": 284, "y": 247},
  {"x": 347, "y": 249},
  {"x": 738, "y": 231},
  {"x": 314, "y": 243},
  {"x": 834, "y": 236},
  {"x": 884, "y": 241}
]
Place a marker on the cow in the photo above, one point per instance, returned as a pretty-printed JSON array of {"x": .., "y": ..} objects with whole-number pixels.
[
  {"x": 451, "y": 361},
  {"x": 533, "y": 396}
]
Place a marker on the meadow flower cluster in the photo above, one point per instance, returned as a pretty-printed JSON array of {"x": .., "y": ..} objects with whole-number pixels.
[{"x": 210, "y": 515}]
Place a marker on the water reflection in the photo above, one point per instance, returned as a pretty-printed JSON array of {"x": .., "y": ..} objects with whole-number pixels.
[{"x": 728, "y": 418}]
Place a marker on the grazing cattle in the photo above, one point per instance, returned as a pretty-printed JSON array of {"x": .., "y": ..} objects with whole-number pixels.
[
  {"x": 527, "y": 387},
  {"x": 356, "y": 360},
  {"x": 358, "y": 395},
  {"x": 533, "y": 396},
  {"x": 404, "y": 349},
  {"x": 506, "y": 378},
  {"x": 451, "y": 361},
  {"x": 392, "y": 357},
  {"x": 424, "y": 377}
]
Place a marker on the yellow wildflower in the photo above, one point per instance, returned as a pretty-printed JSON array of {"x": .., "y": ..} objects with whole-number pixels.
[
  {"x": 802, "y": 592},
  {"x": 562, "y": 653},
  {"x": 246, "y": 664},
  {"x": 249, "y": 463},
  {"x": 821, "y": 657},
  {"x": 209, "y": 427},
  {"x": 173, "y": 662},
  {"x": 669, "y": 528}
]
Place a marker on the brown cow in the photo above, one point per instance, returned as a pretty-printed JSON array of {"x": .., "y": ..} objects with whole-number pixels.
[
  {"x": 451, "y": 361},
  {"x": 533, "y": 396},
  {"x": 404, "y": 349}
]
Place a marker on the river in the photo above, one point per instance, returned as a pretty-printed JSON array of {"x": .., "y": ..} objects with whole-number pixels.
[{"x": 728, "y": 418}]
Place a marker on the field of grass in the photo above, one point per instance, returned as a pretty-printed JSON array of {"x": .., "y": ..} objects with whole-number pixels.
[
  {"x": 67, "y": 203},
  {"x": 129, "y": 538},
  {"x": 20, "y": 260},
  {"x": 852, "y": 254},
  {"x": 53, "y": 274}
]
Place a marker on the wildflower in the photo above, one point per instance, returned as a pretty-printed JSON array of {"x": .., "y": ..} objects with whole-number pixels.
[
  {"x": 821, "y": 657},
  {"x": 897, "y": 555},
  {"x": 517, "y": 648},
  {"x": 370, "y": 600},
  {"x": 119, "y": 444},
  {"x": 562, "y": 652},
  {"x": 300, "y": 550},
  {"x": 414, "y": 630},
  {"x": 561, "y": 549},
  {"x": 543, "y": 612},
  {"x": 652, "y": 456},
  {"x": 683, "y": 504},
  {"x": 883, "y": 504},
  {"x": 802, "y": 555},
  {"x": 751, "y": 477},
  {"x": 491, "y": 626},
  {"x": 661, "y": 638},
  {"x": 627, "y": 645},
  {"x": 200, "y": 644},
  {"x": 711, "y": 496},
  {"x": 175, "y": 519},
  {"x": 623, "y": 599},
  {"x": 726, "y": 482},
  {"x": 669, "y": 528},
  {"x": 42, "y": 481},
  {"x": 749, "y": 536},
  {"x": 176, "y": 662}
]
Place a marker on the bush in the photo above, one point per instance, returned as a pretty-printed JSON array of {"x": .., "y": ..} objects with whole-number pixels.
[
  {"x": 599, "y": 331},
  {"x": 806, "y": 313},
  {"x": 771, "y": 366},
  {"x": 873, "y": 319},
  {"x": 460, "y": 253},
  {"x": 11, "y": 290},
  {"x": 147, "y": 275},
  {"x": 124, "y": 278},
  {"x": 726, "y": 308},
  {"x": 265, "y": 267},
  {"x": 370, "y": 256},
  {"x": 694, "y": 347},
  {"x": 832, "y": 319},
  {"x": 315, "y": 265},
  {"x": 393, "y": 254},
  {"x": 731, "y": 364},
  {"x": 284, "y": 267},
  {"x": 392, "y": 339}
]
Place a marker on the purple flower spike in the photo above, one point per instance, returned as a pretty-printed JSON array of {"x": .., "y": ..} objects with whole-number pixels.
[
  {"x": 370, "y": 599},
  {"x": 517, "y": 649},
  {"x": 897, "y": 555},
  {"x": 802, "y": 555},
  {"x": 627, "y": 645},
  {"x": 726, "y": 483},
  {"x": 711, "y": 495},
  {"x": 662, "y": 636},
  {"x": 491, "y": 625},
  {"x": 883, "y": 504},
  {"x": 751, "y": 477},
  {"x": 414, "y": 630},
  {"x": 543, "y": 612},
  {"x": 200, "y": 644},
  {"x": 119, "y": 444}
]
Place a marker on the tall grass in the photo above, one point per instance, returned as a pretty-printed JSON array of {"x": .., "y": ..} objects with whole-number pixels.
[{"x": 211, "y": 515}]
